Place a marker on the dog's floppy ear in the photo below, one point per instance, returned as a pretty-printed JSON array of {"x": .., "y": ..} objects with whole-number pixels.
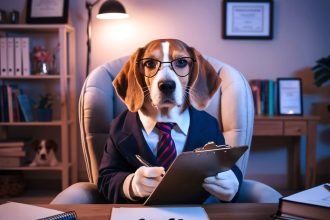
[
  {"x": 204, "y": 81},
  {"x": 52, "y": 144},
  {"x": 128, "y": 83}
]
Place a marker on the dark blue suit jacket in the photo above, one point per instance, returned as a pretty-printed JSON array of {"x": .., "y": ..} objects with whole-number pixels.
[{"x": 126, "y": 140}]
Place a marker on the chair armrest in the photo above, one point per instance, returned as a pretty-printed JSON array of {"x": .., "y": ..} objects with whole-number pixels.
[{"x": 79, "y": 193}]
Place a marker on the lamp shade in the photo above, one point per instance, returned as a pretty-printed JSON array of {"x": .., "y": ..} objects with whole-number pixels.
[{"x": 112, "y": 9}]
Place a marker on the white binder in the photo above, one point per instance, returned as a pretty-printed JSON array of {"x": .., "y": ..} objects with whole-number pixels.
[
  {"x": 10, "y": 56},
  {"x": 18, "y": 56},
  {"x": 25, "y": 43},
  {"x": 3, "y": 56}
]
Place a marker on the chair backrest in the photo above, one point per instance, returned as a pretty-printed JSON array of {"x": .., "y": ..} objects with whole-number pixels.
[{"x": 232, "y": 105}]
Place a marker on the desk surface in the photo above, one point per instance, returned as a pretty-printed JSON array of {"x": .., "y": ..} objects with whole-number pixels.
[{"x": 226, "y": 211}]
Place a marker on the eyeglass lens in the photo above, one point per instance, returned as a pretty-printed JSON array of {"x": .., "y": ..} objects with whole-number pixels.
[{"x": 181, "y": 66}]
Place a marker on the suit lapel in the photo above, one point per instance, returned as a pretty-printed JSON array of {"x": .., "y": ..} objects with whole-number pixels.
[
  {"x": 132, "y": 141},
  {"x": 197, "y": 131}
]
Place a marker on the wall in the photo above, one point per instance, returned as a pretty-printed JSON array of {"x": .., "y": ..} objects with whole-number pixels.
[{"x": 301, "y": 36}]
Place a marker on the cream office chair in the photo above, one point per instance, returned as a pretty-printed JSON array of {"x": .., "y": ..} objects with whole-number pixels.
[{"x": 232, "y": 105}]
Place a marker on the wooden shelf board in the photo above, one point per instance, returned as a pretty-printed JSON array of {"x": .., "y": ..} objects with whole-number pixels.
[{"x": 27, "y": 168}]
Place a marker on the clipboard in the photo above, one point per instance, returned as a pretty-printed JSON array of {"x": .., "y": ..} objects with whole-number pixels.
[{"x": 182, "y": 183}]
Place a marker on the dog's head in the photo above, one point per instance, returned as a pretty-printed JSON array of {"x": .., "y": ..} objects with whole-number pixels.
[
  {"x": 45, "y": 150},
  {"x": 166, "y": 74}
]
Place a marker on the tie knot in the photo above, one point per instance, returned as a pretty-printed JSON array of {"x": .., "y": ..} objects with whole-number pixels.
[{"x": 165, "y": 127}]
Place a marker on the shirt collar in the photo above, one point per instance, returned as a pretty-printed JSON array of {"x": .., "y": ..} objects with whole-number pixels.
[{"x": 182, "y": 122}]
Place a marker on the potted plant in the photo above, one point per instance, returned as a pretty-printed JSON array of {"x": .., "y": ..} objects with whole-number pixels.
[
  {"x": 321, "y": 71},
  {"x": 44, "y": 107}
]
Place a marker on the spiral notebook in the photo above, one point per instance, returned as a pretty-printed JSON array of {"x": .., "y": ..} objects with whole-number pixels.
[
  {"x": 20, "y": 211},
  {"x": 182, "y": 183}
]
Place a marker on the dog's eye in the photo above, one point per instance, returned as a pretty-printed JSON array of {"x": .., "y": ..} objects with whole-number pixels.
[
  {"x": 150, "y": 64},
  {"x": 180, "y": 63}
]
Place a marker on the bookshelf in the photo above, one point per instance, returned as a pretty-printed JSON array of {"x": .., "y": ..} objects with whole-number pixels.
[{"x": 61, "y": 83}]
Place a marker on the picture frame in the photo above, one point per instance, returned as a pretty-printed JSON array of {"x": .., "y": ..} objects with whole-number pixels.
[
  {"x": 47, "y": 12},
  {"x": 248, "y": 19},
  {"x": 289, "y": 96}
]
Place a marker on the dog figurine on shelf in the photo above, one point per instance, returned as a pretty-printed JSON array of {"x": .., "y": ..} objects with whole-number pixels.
[{"x": 45, "y": 150}]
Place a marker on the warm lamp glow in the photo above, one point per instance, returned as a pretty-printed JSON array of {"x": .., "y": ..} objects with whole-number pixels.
[{"x": 112, "y": 16}]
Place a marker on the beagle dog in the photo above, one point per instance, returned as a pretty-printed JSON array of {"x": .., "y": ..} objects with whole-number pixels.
[
  {"x": 44, "y": 153},
  {"x": 160, "y": 82},
  {"x": 163, "y": 78}
]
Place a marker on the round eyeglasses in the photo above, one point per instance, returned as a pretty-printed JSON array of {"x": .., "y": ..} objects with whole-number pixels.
[{"x": 149, "y": 67}]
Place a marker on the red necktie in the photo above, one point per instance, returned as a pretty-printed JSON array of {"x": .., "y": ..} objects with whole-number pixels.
[{"x": 166, "y": 151}]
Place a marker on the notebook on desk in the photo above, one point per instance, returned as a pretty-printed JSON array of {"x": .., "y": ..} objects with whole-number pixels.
[{"x": 182, "y": 183}]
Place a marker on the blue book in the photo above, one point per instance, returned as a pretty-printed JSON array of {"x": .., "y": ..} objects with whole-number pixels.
[{"x": 25, "y": 105}]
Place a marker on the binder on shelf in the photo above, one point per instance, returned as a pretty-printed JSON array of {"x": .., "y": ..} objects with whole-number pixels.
[
  {"x": 25, "y": 44},
  {"x": 3, "y": 56},
  {"x": 18, "y": 56},
  {"x": 10, "y": 56}
]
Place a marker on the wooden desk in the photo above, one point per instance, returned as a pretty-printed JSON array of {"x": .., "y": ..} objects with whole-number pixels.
[
  {"x": 294, "y": 126},
  {"x": 228, "y": 211}
]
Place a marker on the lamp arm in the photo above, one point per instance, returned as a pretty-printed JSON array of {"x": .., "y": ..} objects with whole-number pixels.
[{"x": 89, "y": 6}]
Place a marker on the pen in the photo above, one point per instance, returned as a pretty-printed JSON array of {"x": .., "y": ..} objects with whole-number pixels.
[
  {"x": 327, "y": 186},
  {"x": 144, "y": 162}
]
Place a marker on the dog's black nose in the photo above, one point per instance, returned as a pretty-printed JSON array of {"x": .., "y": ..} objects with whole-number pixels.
[
  {"x": 43, "y": 157},
  {"x": 166, "y": 86}
]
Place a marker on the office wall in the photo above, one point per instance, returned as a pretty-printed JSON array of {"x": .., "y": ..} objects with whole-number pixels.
[{"x": 301, "y": 36}]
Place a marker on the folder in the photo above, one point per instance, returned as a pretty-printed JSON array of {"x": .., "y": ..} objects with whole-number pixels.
[
  {"x": 25, "y": 43},
  {"x": 3, "y": 56},
  {"x": 18, "y": 56},
  {"x": 182, "y": 183},
  {"x": 10, "y": 56}
]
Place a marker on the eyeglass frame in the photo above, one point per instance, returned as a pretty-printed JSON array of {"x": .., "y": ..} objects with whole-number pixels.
[{"x": 170, "y": 62}]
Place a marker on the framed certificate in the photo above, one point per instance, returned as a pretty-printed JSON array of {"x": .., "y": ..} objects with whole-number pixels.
[
  {"x": 248, "y": 19},
  {"x": 289, "y": 93},
  {"x": 47, "y": 11}
]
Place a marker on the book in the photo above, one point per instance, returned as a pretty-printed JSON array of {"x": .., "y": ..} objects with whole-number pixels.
[
  {"x": 10, "y": 161},
  {"x": 264, "y": 96},
  {"x": 189, "y": 213},
  {"x": 21, "y": 211},
  {"x": 25, "y": 106},
  {"x": 313, "y": 203},
  {"x": 18, "y": 56},
  {"x": 4, "y": 103},
  {"x": 7, "y": 144},
  {"x": 10, "y": 104},
  {"x": 3, "y": 56},
  {"x": 12, "y": 152}
]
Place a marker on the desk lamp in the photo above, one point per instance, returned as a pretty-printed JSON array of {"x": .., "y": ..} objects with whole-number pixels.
[{"x": 110, "y": 9}]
